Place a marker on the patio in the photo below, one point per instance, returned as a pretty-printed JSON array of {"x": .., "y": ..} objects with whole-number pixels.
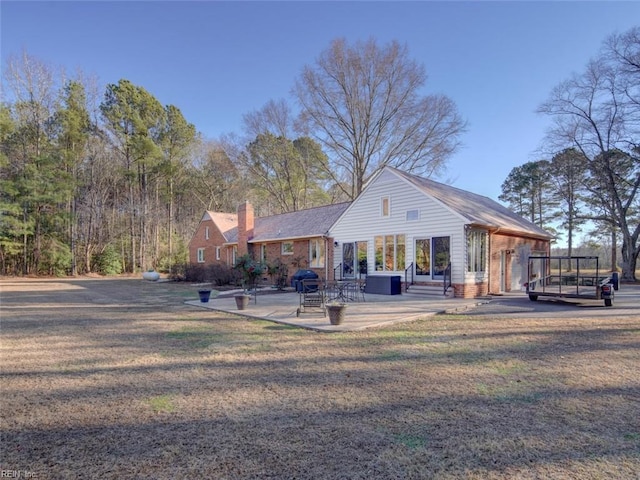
[{"x": 375, "y": 311}]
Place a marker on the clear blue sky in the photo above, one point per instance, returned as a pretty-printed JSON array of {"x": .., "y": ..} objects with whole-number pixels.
[{"x": 219, "y": 60}]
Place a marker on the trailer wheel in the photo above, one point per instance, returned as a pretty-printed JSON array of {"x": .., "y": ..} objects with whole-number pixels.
[
  {"x": 533, "y": 298},
  {"x": 608, "y": 302}
]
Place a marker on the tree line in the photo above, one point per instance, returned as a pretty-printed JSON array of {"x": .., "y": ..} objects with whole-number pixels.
[
  {"x": 110, "y": 180},
  {"x": 593, "y": 174}
]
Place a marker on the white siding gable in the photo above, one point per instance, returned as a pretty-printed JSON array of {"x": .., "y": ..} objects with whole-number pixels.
[{"x": 363, "y": 220}]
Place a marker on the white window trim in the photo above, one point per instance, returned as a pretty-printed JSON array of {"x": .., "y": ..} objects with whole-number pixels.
[
  {"x": 319, "y": 243},
  {"x": 476, "y": 240},
  {"x": 200, "y": 255},
  {"x": 206, "y": 233},
  {"x": 282, "y": 250},
  {"x": 382, "y": 201},
  {"x": 415, "y": 212},
  {"x": 217, "y": 253}
]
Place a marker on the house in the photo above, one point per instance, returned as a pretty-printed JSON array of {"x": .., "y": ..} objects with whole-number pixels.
[
  {"x": 298, "y": 239},
  {"x": 405, "y": 225},
  {"x": 400, "y": 225}
]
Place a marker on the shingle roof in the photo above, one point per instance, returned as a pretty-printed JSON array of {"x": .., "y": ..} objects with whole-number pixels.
[
  {"x": 312, "y": 222},
  {"x": 477, "y": 209},
  {"x": 224, "y": 221}
]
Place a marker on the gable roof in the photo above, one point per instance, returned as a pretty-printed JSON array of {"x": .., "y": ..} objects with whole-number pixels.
[
  {"x": 311, "y": 222},
  {"x": 225, "y": 222},
  {"x": 476, "y": 209}
]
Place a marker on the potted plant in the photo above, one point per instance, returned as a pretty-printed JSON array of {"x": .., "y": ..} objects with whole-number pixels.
[
  {"x": 242, "y": 300},
  {"x": 205, "y": 294},
  {"x": 251, "y": 270},
  {"x": 337, "y": 312}
]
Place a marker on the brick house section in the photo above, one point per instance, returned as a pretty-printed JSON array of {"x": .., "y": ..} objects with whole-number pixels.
[
  {"x": 211, "y": 235},
  {"x": 251, "y": 235},
  {"x": 509, "y": 254},
  {"x": 299, "y": 259},
  {"x": 246, "y": 224}
]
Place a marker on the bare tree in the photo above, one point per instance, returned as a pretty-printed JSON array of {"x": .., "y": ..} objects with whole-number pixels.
[
  {"x": 363, "y": 104},
  {"x": 596, "y": 113},
  {"x": 274, "y": 117},
  {"x": 286, "y": 173},
  {"x": 215, "y": 178}
]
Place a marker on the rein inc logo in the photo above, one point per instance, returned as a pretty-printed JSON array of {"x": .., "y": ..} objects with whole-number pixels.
[{"x": 17, "y": 474}]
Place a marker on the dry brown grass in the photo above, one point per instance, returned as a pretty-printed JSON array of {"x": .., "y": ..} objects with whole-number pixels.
[{"x": 119, "y": 379}]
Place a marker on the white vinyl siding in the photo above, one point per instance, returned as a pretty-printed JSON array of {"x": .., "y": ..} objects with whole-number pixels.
[{"x": 436, "y": 220}]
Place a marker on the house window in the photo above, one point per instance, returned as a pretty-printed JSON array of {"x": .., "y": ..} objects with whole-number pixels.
[
  {"x": 316, "y": 252},
  {"x": 206, "y": 233},
  {"x": 413, "y": 215},
  {"x": 287, "y": 248},
  {"x": 263, "y": 253},
  {"x": 390, "y": 253},
  {"x": 476, "y": 251},
  {"x": 217, "y": 253},
  {"x": 385, "y": 207},
  {"x": 201, "y": 255}
]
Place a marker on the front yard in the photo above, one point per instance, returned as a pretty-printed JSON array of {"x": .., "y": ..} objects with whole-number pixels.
[{"x": 119, "y": 379}]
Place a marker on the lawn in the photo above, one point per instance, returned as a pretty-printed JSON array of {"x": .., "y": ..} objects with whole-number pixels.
[{"x": 120, "y": 379}]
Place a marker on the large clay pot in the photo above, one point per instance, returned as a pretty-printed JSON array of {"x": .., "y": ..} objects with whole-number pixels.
[
  {"x": 336, "y": 313},
  {"x": 242, "y": 301}
]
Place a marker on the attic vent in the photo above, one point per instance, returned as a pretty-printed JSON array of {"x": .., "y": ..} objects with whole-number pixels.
[{"x": 413, "y": 215}]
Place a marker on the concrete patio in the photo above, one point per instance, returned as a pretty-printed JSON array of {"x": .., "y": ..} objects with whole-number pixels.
[{"x": 376, "y": 311}]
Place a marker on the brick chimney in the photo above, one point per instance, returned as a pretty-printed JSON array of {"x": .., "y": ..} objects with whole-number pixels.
[{"x": 245, "y": 227}]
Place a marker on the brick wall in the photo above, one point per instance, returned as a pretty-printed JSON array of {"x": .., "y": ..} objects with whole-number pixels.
[
  {"x": 516, "y": 249},
  {"x": 300, "y": 257},
  {"x": 246, "y": 221},
  {"x": 199, "y": 240}
]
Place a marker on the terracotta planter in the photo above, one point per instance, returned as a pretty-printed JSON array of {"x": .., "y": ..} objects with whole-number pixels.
[
  {"x": 336, "y": 313},
  {"x": 242, "y": 301}
]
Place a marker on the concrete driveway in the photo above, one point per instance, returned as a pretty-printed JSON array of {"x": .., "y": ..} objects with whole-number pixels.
[{"x": 625, "y": 303}]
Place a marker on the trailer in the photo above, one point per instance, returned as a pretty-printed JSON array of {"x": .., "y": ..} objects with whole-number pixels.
[{"x": 570, "y": 277}]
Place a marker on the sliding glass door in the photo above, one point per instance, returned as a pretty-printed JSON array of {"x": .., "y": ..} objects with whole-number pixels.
[{"x": 431, "y": 257}]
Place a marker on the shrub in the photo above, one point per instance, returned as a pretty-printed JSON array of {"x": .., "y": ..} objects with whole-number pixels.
[
  {"x": 55, "y": 258},
  {"x": 222, "y": 274},
  {"x": 107, "y": 262},
  {"x": 195, "y": 272},
  {"x": 178, "y": 272},
  {"x": 218, "y": 273}
]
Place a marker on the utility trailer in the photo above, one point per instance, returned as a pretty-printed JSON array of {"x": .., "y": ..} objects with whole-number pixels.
[{"x": 570, "y": 277}]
